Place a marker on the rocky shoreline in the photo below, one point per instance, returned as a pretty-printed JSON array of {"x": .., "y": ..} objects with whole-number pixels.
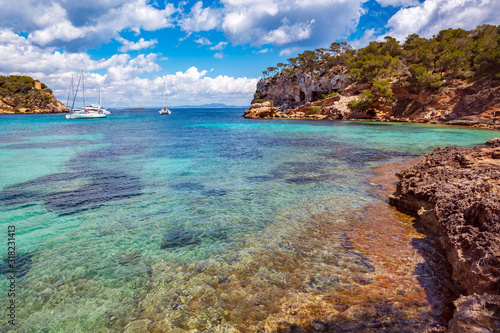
[
  {"x": 456, "y": 192},
  {"x": 459, "y": 103}
]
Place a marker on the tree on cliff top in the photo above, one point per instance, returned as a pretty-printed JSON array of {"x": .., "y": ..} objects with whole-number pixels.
[
  {"x": 487, "y": 62},
  {"x": 20, "y": 90},
  {"x": 16, "y": 84},
  {"x": 418, "y": 63}
]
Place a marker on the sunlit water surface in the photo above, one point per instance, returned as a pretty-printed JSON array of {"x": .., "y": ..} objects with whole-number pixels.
[{"x": 206, "y": 221}]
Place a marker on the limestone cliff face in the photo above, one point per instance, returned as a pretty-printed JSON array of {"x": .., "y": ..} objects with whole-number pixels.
[
  {"x": 456, "y": 192},
  {"x": 290, "y": 90},
  {"x": 34, "y": 101}
]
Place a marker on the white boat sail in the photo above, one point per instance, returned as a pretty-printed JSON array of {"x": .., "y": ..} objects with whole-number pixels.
[
  {"x": 87, "y": 112},
  {"x": 164, "y": 110}
]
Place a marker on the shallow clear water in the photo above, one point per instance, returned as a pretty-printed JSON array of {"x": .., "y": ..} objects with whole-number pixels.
[{"x": 198, "y": 220}]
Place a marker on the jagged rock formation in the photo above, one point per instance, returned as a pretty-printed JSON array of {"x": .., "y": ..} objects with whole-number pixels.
[
  {"x": 456, "y": 191},
  {"x": 459, "y": 102}
]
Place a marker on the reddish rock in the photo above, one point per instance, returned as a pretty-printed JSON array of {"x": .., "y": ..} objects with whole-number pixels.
[
  {"x": 495, "y": 142},
  {"x": 456, "y": 191},
  {"x": 476, "y": 314}
]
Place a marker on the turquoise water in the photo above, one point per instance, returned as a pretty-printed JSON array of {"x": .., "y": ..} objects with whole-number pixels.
[{"x": 139, "y": 222}]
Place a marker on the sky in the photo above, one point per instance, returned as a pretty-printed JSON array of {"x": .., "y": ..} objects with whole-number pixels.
[{"x": 199, "y": 52}]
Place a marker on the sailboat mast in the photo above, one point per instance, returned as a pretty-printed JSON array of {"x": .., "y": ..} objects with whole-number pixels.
[
  {"x": 83, "y": 90},
  {"x": 99, "y": 95},
  {"x": 164, "y": 98},
  {"x": 76, "y": 92},
  {"x": 71, "y": 90}
]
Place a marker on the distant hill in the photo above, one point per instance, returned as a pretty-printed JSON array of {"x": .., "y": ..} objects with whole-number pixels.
[
  {"x": 23, "y": 94},
  {"x": 208, "y": 106}
]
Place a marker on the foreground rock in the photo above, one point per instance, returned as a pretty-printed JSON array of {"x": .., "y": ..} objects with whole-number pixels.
[{"x": 456, "y": 191}]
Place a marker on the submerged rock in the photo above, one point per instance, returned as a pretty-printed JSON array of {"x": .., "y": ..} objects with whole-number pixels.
[
  {"x": 456, "y": 191},
  {"x": 56, "y": 192},
  {"x": 21, "y": 266},
  {"x": 181, "y": 237}
]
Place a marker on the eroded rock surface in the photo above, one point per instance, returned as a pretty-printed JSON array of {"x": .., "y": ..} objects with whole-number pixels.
[{"x": 456, "y": 191}]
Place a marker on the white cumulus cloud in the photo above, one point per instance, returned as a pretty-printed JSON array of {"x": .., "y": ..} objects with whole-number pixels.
[
  {"x": 276, "y": 22},
  {"x": 368, "y": 36},
  {"x": 431, "y": 16},
  {"x": 288, "y": 23},
  {"x": 262, "y": 51},
  {"x": 135, "y": 46},
  {"x": 77, "y": 25},
  {"x": 203, "y": 41},
  {"x": 219, "y": 46},
  {"x": 125, "y": 80},
  {"x": 201, "y": 19},
  {"x": 195, "y": 83},
  {"x": 289, "y": 33}
]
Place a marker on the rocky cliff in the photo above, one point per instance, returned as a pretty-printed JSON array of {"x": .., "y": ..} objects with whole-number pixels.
[
  {"x": 22, "y": 94},
  {"x": 293, "y": 89},
  {"x": 456, "y": 192},
  {"x": 458, "y": 102}
]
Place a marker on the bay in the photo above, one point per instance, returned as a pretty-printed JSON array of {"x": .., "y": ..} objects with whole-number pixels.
[{"x": 201, "y": 220}]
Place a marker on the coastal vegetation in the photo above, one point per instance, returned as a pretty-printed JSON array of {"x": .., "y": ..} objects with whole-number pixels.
[
  {"x": 421, "y": 62},
  {"x": 23, "y": 94}
]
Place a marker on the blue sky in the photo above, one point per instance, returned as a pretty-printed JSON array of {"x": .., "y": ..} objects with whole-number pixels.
[{"x": 203, "y": 51}]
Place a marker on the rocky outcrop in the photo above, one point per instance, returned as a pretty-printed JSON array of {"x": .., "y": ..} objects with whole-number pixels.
[
  {"x": 456, "y": 191},
  {"x": 261, "y": 110},
  {"x": 334, "y": 107},
  {"x": 290, "y": 90},
  {"x": 32, "y": 104},
  {"x": 476, "y": 314},
  {"x": 458, "y": 102}
]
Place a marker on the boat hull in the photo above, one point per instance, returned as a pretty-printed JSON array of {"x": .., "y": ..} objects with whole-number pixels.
[{"x": 85, "y": 116}]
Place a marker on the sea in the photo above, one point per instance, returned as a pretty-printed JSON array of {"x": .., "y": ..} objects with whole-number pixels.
[{"x": 204, "y": 221}]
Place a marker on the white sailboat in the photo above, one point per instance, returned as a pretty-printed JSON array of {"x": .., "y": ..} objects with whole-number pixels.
[
  {"x": 87, "y": 112},
  {"x": 164, "y": 110},
  {"x": 97, "y": 107}
]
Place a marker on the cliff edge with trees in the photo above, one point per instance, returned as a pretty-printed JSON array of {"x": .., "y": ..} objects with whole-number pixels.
[{"x": 452, "y": 78}]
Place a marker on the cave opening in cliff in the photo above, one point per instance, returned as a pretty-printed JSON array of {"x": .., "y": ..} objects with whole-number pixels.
[
  {"x": 302, "y": 96},
  {"x": 316, "y": 95}
]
